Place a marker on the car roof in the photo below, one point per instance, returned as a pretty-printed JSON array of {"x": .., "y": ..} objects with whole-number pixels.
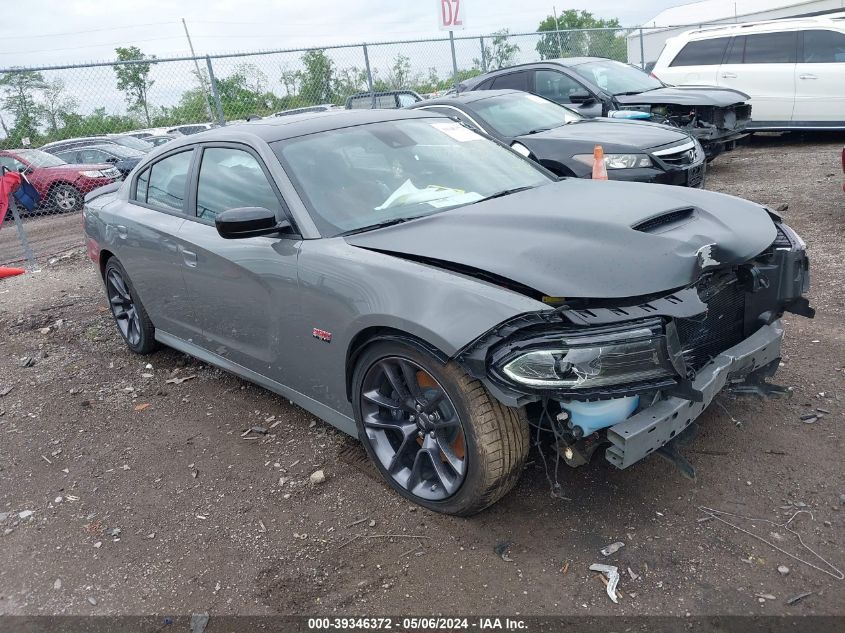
[
  {"x": 470, "y": 96},
  {"x": 567, "y": 62},
  {"x": 279, "y": 128},
  {"x": 766, "y": 26}
]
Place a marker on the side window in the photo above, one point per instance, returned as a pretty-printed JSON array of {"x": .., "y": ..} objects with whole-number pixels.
[
  {"x": 141, "y": 186},
  {"x": 736, "y": 51},
  {"x": 69, "y": 156},
  {"x": 702, "y": 53},
  {"x": 406, "y": 100},
  {"x": 453, "y": 113},
  {"x": 167, "y": 183},
  {"x": 824, "y": 47},
  {"x": 10, "y": 163},
  {"x": 231, "y": 178},
  {"x": 556, "y": 86},
  {"x": 92, "y": 156},
  {"x": 771, "y": 48},
  {"x": 513, "y": 81}
]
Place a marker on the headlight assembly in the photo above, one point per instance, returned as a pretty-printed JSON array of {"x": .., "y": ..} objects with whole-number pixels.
[
  {"x": 617, "y": 161},
  {"x": 583, "y": 360}
]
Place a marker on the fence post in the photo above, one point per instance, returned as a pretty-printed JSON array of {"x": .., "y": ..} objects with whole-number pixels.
[
  {"x": 369, "y": 75},
  {"x": 642, "y": 50},
  {"x": 483, "y": 55},
  {"x": 454, "y": 59},
  {"x": 27, "y": 251},
  {"x": 220, "y": 118}
]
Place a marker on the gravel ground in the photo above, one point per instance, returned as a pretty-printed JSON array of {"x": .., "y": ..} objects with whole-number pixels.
[{"x": 144, "y": 496}]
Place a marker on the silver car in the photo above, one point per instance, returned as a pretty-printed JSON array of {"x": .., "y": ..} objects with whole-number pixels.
[{"x": 442, "y": 298}]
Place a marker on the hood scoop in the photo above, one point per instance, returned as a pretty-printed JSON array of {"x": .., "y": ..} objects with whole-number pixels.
[{"x": 658, "y": 222}]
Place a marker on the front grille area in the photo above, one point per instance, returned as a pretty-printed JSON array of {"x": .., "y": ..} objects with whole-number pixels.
[
  {"x": 782, "y": 240},
  {"x": 704, "y": 338},
  {"x": 682, "y": 158}
]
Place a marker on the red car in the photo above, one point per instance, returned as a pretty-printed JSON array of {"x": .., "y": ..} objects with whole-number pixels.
[{"x": 62, "y": 186}]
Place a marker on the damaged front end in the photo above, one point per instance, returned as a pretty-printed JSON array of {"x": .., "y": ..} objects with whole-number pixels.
[
  {"x": 631, "y": 376},
  {"x": 717, "y": 128}
]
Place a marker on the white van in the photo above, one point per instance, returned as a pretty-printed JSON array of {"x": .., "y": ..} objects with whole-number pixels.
[{"x": 794, "y": 70}]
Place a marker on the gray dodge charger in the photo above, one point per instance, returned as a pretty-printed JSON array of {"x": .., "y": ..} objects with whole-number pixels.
[{"x": 442, "y": 298}]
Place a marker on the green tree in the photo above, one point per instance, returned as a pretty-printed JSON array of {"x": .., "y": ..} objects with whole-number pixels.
[
  {"x": 134, "y": 79},
  {"x": 318, "y": 79},
  {"x": 55, "y": 103},
  {"x": 399, "y": 76},
  {"x": 497, "y": 52},
  {"x": 348, "y": 81},
  {"x": 574, "y": 42},
  {"x": 19, "y": 90}
]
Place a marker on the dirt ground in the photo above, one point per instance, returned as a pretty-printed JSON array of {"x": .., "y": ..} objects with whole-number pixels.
[{"x": 146, "y": 497}]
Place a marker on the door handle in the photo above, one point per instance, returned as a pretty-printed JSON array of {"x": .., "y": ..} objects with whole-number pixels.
[
  {"x": 728, "y": 75},
  {"x": 121, "y": 231},
  {"x": 189, "y": 257},
  {"x": 807, "y": 77}
]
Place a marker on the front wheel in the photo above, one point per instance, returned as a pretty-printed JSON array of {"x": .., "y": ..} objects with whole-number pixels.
[
  {"x": 66, "y": 198},
  {"x": 436, "y": 435}
]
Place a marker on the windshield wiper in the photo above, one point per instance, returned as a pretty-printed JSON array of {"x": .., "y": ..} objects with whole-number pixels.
[
  {"x": 377, "y": 225},
  {"x": 502, "y": 194}
]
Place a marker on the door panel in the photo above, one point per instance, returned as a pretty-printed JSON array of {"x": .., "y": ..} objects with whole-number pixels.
[
  {"x": 762, "y": 65},
  {"x": 245, "y": 291},
  {"x": 820, "y": 78},
  {"x": 697, "y": 62}
]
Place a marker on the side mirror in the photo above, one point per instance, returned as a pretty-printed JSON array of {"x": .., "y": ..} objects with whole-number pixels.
[
  {"x": 582, "y": 97},
  {"x": 248, "y": 222}
]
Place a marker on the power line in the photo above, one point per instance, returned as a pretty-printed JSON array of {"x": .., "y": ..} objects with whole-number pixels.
[{"x": 111, "y": 28}]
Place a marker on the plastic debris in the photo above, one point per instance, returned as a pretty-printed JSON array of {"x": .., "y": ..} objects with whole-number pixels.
[
  {"x": 612, "y": 548},
  {"x": 179, "y": 381},
  {"x": 799, "y": 597},
  {"x": 612, "y": 574},
  {"x": 198, "y": 622},
  {"x": 501, "y": 550},
  {"x": 25, "y": 514}
]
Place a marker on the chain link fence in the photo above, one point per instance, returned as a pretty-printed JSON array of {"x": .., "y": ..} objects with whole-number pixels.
[{"x": 123, "y": 108}]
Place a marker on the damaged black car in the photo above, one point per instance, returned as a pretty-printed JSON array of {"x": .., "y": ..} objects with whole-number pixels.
[{"x": 597, "y": 87}]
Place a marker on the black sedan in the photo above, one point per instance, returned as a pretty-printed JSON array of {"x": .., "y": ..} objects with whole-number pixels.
[
  {"x": 123, "y": 158},
  {"x": 716, "y": 116},
  {"x": 562, "y": 140}
]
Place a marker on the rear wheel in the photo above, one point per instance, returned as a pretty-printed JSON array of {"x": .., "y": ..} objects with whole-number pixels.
[
  {"x": 66, "y": 198},
  {"x": 435, "y": 434},
  {"x": 132, "y": 320}
]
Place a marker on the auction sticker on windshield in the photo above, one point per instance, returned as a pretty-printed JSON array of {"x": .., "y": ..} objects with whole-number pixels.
[{"x": 457, "y": 131}]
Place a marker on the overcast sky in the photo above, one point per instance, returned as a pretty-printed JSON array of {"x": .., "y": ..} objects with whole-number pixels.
[{"x": 47, "y": 32}]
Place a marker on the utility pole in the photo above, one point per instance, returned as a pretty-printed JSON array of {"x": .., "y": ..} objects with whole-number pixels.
[
  {"x": 557, "y": 30},
  {"x": 200, "y": 76}
]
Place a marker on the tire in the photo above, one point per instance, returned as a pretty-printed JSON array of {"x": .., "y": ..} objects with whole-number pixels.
[
  {"x": 66, "y": 198},
  {"x": 456, "y": 468},
  {"x": 128, "y": 312}
]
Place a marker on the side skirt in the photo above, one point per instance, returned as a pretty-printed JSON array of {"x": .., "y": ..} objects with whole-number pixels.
[{"x": 322, "y": 411}]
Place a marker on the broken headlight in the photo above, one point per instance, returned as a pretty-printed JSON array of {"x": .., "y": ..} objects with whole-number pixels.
[
  {"x": 582, "y": 360},
  {"x": 617, "y": 161}
]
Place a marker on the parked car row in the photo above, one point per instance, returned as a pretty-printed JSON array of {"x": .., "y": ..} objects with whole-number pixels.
[{"x": 445, "y": 299}]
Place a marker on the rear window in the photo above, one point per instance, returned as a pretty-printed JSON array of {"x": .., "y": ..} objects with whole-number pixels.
[
  {"x": 824, "y": 47},
  {"x": 702, "y": 53},
  {"x": 513, "y": 81},
  {"x": 771, "y": 48}
]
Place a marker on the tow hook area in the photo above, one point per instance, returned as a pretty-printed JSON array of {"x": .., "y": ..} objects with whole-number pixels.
[
  {"x": 671, "y": 451},
  {"x": 754, "y": 384}
]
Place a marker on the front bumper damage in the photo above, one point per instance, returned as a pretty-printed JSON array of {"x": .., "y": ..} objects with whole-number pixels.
[
  {"x": 648, "y": 430},
  {"x": 723, "y": 332}
]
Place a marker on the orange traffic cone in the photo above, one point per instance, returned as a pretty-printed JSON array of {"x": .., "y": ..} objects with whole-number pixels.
[
  {"x": 10, "y": 272},
  {"x": 599, "y": 168}
]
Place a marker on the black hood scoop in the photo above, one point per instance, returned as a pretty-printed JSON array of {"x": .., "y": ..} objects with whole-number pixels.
[{"x": 662, "y": 221}]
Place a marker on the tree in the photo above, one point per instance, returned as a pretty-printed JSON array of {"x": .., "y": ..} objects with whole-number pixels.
[
  {"x": 350, "y": 80},
  {"x": 399, "y": 76},
  {"x": 578, "y": 42},
  {"x": 317, "y": 83},
  {"x": 134, "y": 79},
  {"x": 254, "y": 78},
  {"x": 497, "y": 52},
  {"x": 55, "y": 104},
  {"x": 19, "y": 90},
  {"x": 291, "y": 80}
]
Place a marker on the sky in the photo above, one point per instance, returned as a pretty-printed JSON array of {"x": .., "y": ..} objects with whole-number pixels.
[{"x": 50, "y": 32}]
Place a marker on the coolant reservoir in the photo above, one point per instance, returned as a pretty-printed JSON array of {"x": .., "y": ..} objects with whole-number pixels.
[{"x": 592, "y": 416}]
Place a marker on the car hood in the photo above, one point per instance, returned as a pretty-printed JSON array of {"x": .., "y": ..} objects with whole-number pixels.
[
  {"x": 575, "y": 239},
  {"x": 686, "y": 95},
  {"x": 610, "y": 133}
]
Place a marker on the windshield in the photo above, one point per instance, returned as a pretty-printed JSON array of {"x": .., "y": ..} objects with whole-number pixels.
[
  {"x": 518, "y": 114},
  {"x": 365, "y": 175},
  {"x": 37, "y": 158},
  {"x": 134, "y": 143},
  {"x": 617, "y": 78}
]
